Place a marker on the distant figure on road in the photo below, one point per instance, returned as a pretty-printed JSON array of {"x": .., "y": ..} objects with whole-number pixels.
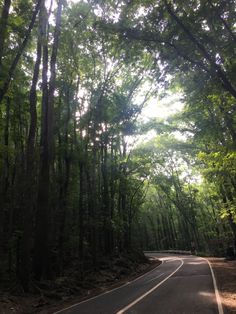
[{"x": 193, "y": 248}]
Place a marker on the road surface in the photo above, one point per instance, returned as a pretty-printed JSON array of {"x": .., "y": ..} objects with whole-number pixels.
[{"x": 180, "y": 285}]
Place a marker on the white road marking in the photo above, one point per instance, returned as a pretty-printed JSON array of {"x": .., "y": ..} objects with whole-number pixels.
[
  {"x": 151, "y": 290},
  {"x": 106, "y": 292},
  {"x": 152, "y": 279},
  {"x": 170, "y": 260},
  {"x": 218, "y": 299}
]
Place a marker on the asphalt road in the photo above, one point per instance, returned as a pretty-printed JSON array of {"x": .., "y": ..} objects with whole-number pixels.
[{"x": 180, "y": 285}]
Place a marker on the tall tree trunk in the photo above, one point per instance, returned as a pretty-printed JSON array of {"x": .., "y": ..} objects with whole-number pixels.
[
  {"x": 124, "y": 243},
  {"x": 81, "y": 212},
  {"x": 42, "y": 220},
  {"x": 4, "y": 180},
  {"x": 105, "y": 200},
  {"x": 28, "y": 202},
  {"x": 42, "y": 255},
  {"x": 64, "y": 184},
  {"x": 93, "y": 204},
  {"x": 5, "y": 86},
  {"x": 112, "y": 194},
  {"x": 3, "y": 28}
]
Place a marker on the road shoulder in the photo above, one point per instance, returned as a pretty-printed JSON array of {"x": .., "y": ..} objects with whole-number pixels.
[{"x": 225, "y": 273}]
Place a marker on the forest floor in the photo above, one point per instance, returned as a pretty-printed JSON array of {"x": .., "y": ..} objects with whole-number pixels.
[
  {"x": 225, "y": 273},
  {"x": 52, "y": 296}
]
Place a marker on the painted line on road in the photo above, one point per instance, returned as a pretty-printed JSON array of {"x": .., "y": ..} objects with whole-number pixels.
[
  {"x": 140, "y": 276},
  {"x": 217, "y": 294},
  {"x": 170, "y": 260},
  {"x": 152, "y": 279},
  {"x": 151, "y": 290},
  {"x": 106, "y": 292}
]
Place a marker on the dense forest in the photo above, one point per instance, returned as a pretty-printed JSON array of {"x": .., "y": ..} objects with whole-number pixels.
[{"x": 78, "y": 180}]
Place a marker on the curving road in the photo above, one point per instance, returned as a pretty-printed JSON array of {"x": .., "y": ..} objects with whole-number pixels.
[{"x": 180, "y": 285}]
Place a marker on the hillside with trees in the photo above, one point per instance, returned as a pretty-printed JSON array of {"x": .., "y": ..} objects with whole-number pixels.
[{"x": 76, "y": 189}]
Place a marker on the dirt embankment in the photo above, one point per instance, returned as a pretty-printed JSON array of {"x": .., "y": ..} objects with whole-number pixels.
[{"x": 225, "y": 273}]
